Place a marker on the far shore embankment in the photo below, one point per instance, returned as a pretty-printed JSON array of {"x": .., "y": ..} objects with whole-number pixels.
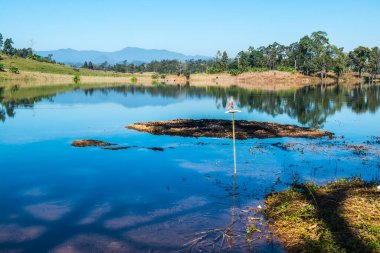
[{"x": 267, "y": 80}]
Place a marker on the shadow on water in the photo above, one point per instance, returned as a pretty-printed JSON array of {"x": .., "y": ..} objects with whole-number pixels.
[{"x": 311, "y": 105}]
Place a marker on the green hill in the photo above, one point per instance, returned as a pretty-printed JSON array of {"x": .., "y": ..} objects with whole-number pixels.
[{"x": 45, "y": 67}]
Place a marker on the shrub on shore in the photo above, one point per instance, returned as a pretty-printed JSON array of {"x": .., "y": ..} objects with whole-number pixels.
[
  {"x": 14, "y": 70},
  {"x": 76, "y": 78},
  {"x": 134, "y": 79},
  {"x": 235, "y": 72}
]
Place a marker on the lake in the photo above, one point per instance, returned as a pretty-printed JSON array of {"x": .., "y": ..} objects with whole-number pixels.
[{"x": 58, "y": 198}]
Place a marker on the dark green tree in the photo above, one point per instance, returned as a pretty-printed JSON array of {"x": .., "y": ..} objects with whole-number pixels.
[
  {"x": 256, "y": 57},
  {"x": 338, "y": 61},
  {"x": 273, "y": 55},
  {"x": 225, "y": 60},
  {"x": 306, "y": 64},
  {"x": 104, "y": 65},
  {"x": 1, "y": 40},
  {"x": 8, "y": 48},
  {"x": 321, "y": 52},
  {"x": 374, "y": 63},
  {"x": 218, "y": 65},
  {"x": 359, "y": 58},
  {"x": 292, "y": 55},
  {"x": 242, "y": 59},
  {"x": 23, "y": 52}
]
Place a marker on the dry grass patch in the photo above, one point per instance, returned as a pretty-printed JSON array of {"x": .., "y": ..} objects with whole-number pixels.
[{"x": 340, "y": 217}]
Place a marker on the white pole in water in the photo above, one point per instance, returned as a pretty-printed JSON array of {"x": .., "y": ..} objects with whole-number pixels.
[
  {"x": 232, "y": 111},
  {"x": 234, "y": 141}
]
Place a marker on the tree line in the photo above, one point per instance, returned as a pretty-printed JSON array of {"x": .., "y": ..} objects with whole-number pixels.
[
  {"x": 311, "y": 55},
  {"x": 6, "y": 47},
  {"x": 162, "y": 67}
]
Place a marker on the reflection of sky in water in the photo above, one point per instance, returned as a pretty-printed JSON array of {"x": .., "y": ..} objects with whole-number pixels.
[{"x": 57, "y": 197}]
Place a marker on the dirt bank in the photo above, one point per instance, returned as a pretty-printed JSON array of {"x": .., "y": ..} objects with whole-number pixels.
[
  {"x": 223, "y": 129},
  {"x": 268, "y": 80}
]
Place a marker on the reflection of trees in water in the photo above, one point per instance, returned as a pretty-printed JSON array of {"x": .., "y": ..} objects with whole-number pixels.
[
  {"x": 309, "y": 105},
  {"x": 2, "y": 111},
  {"x": 7, "y": 109},
  {"x": 13, "y": 98}
]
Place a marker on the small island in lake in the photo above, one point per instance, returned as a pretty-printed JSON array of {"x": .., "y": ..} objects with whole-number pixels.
[{"x": 219, "y": 128}]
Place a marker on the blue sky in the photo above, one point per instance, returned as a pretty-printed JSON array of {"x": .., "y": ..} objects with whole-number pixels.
[{"x": 186, "y": 26}]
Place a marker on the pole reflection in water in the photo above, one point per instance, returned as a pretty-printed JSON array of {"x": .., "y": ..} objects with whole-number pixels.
[
  {"x": 233, "y": 200},
  {"x": 231, "y": 235}
]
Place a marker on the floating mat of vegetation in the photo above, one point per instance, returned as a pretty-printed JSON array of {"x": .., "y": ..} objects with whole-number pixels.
[
  {"x": 90, "y": 143},
  {"x": 223, "y": 129},
  {"x": 340, "y": 217},
  {"x": 107, "y": 145}
]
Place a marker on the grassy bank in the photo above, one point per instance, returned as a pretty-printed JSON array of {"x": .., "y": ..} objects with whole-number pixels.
[
  {"x": 32, "y": 72},
  {"x": 340, "y": 217},
  {"x": 29, "y": 65},
  {"x": 35, "y": 73}
]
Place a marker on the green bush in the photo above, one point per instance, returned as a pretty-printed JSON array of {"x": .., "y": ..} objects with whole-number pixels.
[
  {"x": 1, "y": 67},
  {"x": 134, "y": 79},
  {"x": 156, "y": 83},
  {"x": 163, "y": 76},
  {"x": 14, "y": 70},
  {"x": 155, "y": 76},
  {"x": 76, "y": 78},
  {"x": 235, "y": 72},
  {"x": 286, "y": 69},
  {"x": 214, "y": 70},
  {"x": 257, "y": 69}
]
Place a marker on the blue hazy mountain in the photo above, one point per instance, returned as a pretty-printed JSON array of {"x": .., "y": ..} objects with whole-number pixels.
[{"x": 131, "y": 54}]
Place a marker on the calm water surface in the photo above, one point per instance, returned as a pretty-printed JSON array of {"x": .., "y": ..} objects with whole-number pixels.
[{"x": 57, "y": 198}]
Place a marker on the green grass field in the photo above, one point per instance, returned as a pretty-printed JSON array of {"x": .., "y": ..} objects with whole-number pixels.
[{"x": 44, "y": 67}]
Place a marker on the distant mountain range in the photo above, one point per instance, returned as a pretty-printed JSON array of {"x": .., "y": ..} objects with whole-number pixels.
[{"x": 131, "y": 54}]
